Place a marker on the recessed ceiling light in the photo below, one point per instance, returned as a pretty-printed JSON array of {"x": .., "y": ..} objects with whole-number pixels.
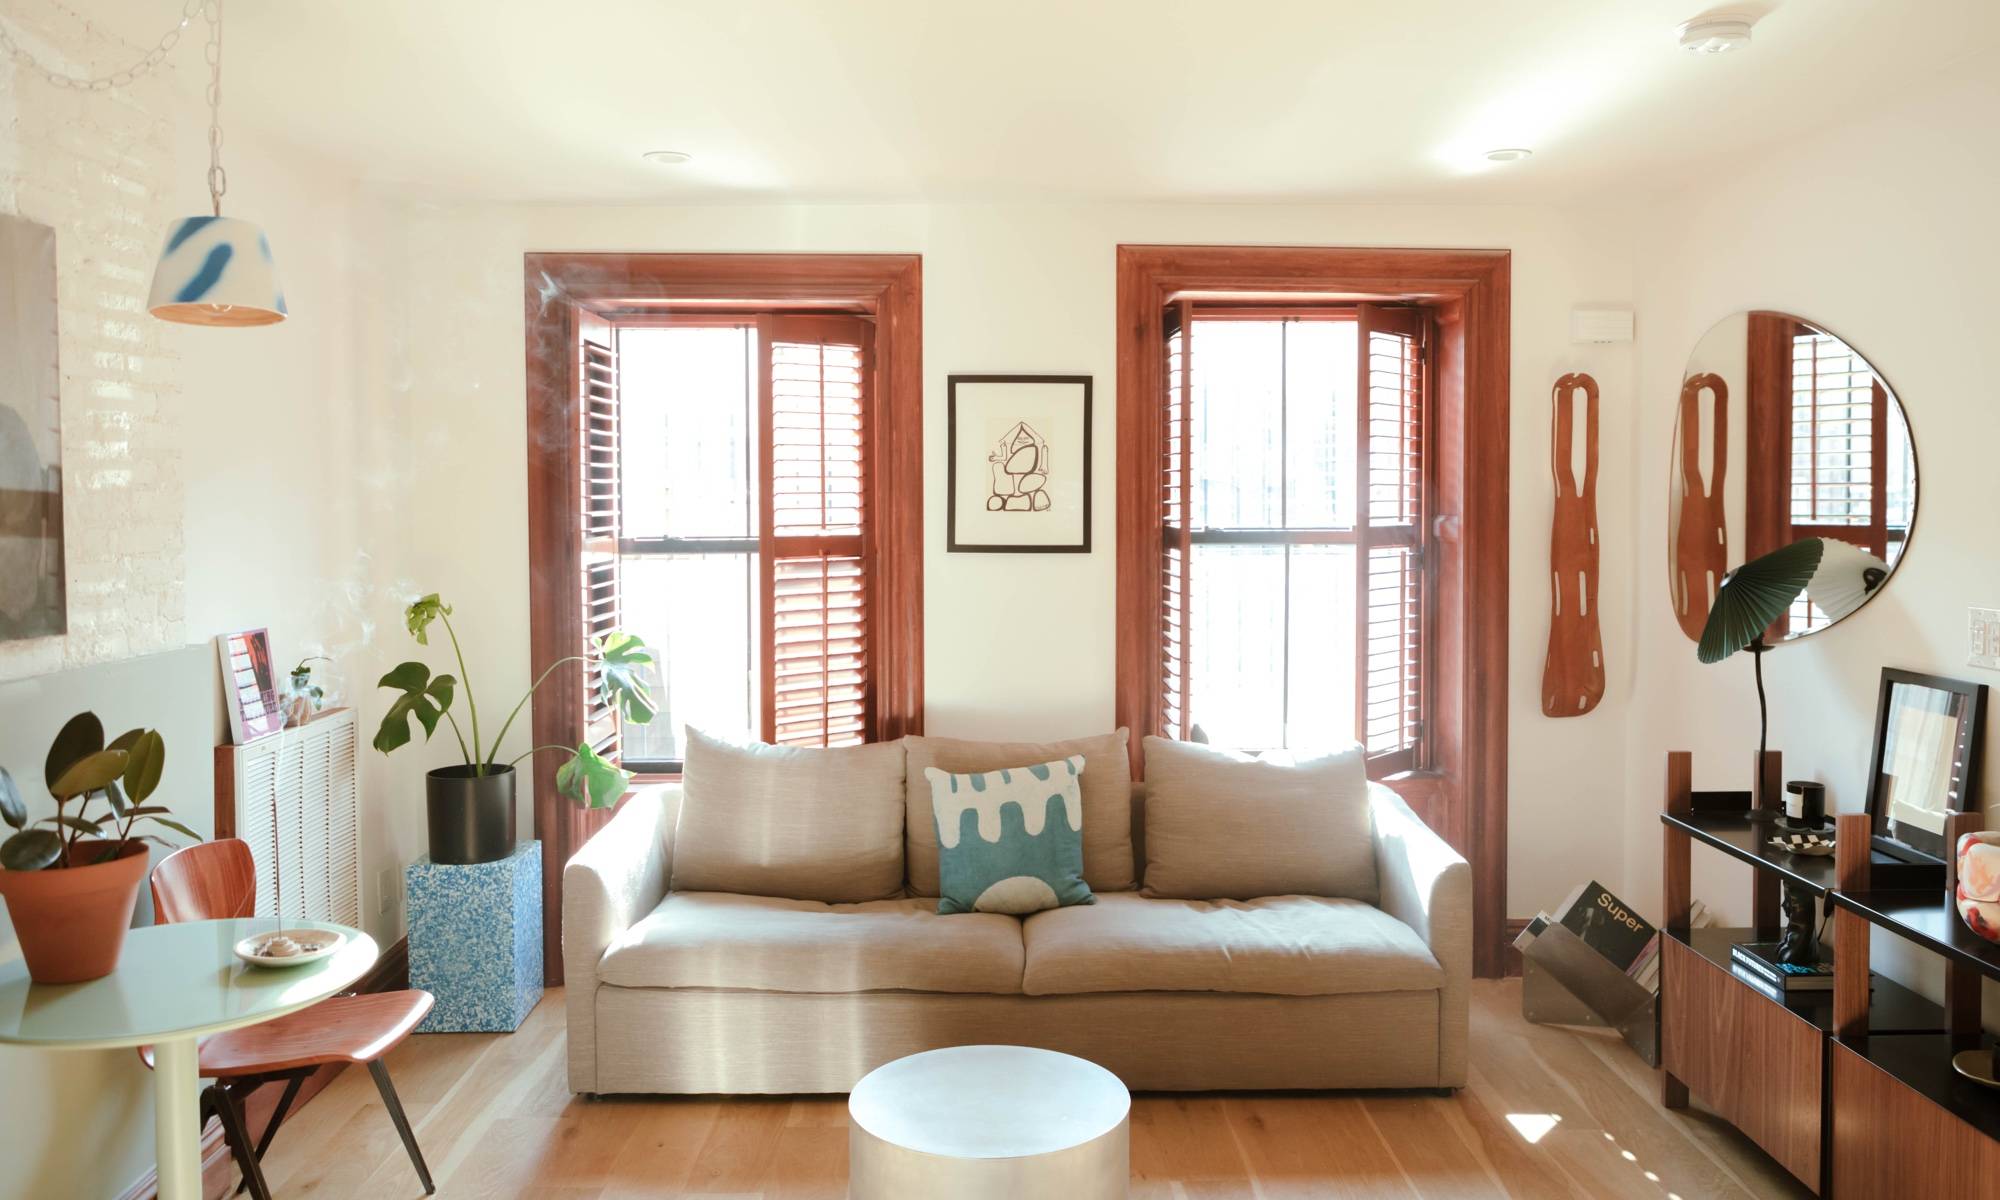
[
  {"x": 1718, "y": 34},
  {"x": 1509, "y": 154},
  {"x": 667, "y": 158}
]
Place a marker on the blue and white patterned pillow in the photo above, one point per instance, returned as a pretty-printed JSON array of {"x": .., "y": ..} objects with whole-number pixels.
[{"x": 1010, "y": 841}]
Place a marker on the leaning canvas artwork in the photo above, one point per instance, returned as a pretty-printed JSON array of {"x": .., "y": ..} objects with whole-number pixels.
[{"x": 31, "y": 546}]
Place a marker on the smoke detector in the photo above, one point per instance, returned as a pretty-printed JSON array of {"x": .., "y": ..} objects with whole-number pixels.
[
  {"x": 1507, "y": 154},
  {"x": 667, "y": 158},
  {"x": 1717, "y": 34}
]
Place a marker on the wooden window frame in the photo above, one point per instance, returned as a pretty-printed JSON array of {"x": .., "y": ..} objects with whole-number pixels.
[
  {"x": 560, "y": 290},
  {"x": 1464, "y": 798}
]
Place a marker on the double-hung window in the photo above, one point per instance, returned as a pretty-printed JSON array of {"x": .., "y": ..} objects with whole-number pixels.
[
  {"x": 1293, "y": 493},
  {"x": 727, "y": 467}
]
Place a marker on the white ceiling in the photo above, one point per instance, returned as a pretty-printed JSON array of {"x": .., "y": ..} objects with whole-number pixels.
[{"x": 1260, "y": 100}]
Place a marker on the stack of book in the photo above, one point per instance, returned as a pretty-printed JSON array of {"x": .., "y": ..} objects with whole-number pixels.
[{"x": 1756, "y": 963}]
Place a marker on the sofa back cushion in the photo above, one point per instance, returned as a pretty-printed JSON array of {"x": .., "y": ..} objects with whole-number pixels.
[
  {"x": 1222, "y": 826},
  {"x": 1107, "y": 800},
  {"x": 799, "y": 824}
]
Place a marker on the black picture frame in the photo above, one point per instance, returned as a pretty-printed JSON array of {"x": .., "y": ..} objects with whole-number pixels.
[
  {"x": 953, "y": 543},
  {"x": 1900, "y": 841}
]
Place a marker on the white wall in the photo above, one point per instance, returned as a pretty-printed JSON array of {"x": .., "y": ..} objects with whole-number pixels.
[
  {"x": 1881, "y": 231},
  {"x": 207, "y": 485},
  {"x": 1026, "y": 288}
]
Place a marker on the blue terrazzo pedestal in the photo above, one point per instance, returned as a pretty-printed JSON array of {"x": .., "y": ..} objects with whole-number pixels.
[{"x": 476, "y": 940}]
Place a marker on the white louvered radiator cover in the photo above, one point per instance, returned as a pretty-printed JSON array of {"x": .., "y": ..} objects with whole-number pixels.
[{"x": 293, "y": 797}]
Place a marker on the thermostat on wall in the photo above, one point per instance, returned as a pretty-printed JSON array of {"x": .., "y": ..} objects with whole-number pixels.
[{"x": 1600, "y": 324}]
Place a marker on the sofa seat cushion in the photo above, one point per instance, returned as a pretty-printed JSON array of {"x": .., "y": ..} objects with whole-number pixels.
[
  {"x": 765, "y": 944},
  {"x": 1279, "y": 945}
]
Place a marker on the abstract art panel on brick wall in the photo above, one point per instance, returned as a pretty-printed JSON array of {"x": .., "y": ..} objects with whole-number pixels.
[{"x": 31, "y": 544}]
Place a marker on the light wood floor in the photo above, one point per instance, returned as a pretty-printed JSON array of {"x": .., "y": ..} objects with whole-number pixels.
[{"x": 1549, "y": 1113}]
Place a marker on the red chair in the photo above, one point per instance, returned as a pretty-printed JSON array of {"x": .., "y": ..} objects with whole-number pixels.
[{"x": 217, "y": 880}]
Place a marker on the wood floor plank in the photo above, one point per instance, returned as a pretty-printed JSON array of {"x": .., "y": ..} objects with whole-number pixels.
[
  {"x": 1548, "y": 1114},
  {"x": 1318, "y": 1147},
  {"x": 1430, "y": 1147}
]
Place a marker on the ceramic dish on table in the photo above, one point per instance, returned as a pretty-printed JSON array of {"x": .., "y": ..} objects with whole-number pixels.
[
  {"x": 289, "y": 947},
  {"x": 1811, "y": 845}
]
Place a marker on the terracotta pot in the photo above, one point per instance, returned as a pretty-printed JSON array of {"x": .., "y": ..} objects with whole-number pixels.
[{"x": 72, "y": 920}]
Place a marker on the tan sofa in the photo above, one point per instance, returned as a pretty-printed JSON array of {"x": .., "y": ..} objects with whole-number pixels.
[{"x": 697, "y": 992}]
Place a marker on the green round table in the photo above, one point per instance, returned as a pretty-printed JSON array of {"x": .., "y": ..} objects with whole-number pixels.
[{"x": 174, "y": 985}]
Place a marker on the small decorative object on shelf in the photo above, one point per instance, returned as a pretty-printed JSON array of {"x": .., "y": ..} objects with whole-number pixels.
[
  {"x": 1809, "y": 812},
  {"x": 476, "y": 940},
  {"x": 303, "y": 697},
  {"x": 1573, "y": 671},
  {"x": 470, "y": 807},
  {"x": 70, "y": 880},
  {"x": 1978, "y": 893},
  {"x": 1976, "y": 1065},
  {"x": 1803, "y": 843}
]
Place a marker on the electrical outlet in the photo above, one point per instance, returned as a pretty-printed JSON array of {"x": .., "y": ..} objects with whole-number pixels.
[
  {"x": 385, "y": 890},
  {"x": 1983, "y": 638}
]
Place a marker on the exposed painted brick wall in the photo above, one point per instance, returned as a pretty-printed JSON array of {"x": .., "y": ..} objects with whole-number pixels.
[{"x": 98, "y": 167}]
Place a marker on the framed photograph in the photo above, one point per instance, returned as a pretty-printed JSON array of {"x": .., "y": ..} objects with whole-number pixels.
[
  {"x": 31, "y": 524},
  {"x": 1925, "y": 762},
  {"x": 1018, "y": 464},
  {"x": 249, "y": 685}
]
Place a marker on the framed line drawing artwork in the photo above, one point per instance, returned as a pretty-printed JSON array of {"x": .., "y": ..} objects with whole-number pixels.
[{"x": 1018, "y": 464}]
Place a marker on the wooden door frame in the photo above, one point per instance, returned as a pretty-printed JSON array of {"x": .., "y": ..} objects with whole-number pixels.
[
  {"x": 1470, "y": 294},
  {"x": 650, "y": 287}
]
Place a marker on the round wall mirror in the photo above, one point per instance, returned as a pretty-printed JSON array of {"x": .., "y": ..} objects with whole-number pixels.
[{"x": 1786, "y": 432}]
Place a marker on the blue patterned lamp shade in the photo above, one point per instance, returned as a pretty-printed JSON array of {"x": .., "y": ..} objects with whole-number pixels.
[{"x": 216, "y": 271}]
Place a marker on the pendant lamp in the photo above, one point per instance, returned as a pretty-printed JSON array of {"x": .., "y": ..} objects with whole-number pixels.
[{"x": 216, "y": 270}]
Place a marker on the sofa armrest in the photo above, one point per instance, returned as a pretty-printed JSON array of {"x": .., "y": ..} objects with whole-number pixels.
[
  {"x": 609, "y": 885},
  {"x": 1428, "y": 886}
]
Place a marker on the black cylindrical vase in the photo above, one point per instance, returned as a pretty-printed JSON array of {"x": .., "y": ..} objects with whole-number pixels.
[{"x": 471, "y": 816}]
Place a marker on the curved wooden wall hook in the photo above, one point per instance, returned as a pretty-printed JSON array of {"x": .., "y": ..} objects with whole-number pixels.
[{"x": 1573, "y": 673}]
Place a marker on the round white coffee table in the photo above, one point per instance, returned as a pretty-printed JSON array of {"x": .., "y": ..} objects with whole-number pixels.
[{"x": 989, "y": 1123}]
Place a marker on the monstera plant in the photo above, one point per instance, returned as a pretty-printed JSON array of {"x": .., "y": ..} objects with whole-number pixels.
[
  {"x": 70, "y": 879},
  {"x": 471, "y": 805}
]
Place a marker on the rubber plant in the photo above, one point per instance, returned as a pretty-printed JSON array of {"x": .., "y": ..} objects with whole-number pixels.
[
  {"x": 80, "y": 770},
  {"x": 587, "y": 778}
]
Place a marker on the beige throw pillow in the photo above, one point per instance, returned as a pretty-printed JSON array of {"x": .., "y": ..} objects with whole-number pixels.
[
  {"x": 1107, "y": 800},
  {"x": 1222, "y": 826},
  {"x": 799, "y": 824}
]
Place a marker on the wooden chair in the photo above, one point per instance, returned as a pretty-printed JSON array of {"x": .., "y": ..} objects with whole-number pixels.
[{"x": 215, "y": 880}]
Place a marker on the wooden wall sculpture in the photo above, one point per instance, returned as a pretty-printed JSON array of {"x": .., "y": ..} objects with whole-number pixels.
[
  {"x": 1573, "y": 673},
  {"x": 1701, "y": 539}
]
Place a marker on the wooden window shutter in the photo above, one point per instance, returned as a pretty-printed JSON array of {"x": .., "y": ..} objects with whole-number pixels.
[
  {"x": 1389, "y": 681},
  {"x": 817, "y": 689},
  {"x": 597, "y": 412},
  {"x": 1177, "y": 519}
]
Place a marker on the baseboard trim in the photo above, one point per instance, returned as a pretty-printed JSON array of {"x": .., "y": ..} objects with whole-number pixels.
[
  {"x": 1510, "y": 958},
  {"x": 390, "y": 973}
]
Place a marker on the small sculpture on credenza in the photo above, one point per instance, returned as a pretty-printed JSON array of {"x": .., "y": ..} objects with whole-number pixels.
[{"x": 1798, "y": 946}]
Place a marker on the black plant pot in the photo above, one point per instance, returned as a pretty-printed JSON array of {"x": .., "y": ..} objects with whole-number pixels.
[{"x": 471, "y": 816}]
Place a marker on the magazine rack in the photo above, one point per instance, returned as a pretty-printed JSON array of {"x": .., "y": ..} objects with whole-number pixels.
[{"x": 1565, "y": 982}]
